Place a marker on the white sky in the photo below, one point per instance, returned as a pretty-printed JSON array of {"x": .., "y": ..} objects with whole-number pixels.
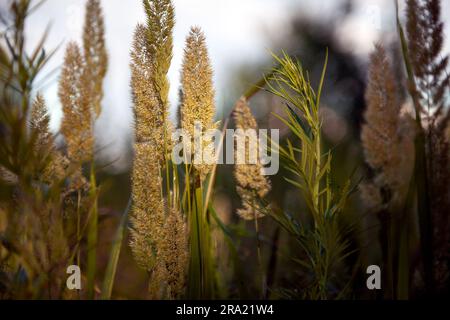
[{"x": 237, "y": 31}]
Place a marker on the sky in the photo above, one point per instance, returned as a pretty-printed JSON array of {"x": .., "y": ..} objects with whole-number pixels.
[{"x": 237, "y": 31}]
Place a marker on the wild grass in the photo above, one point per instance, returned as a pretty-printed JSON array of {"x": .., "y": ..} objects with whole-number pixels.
[
  {"x": 50, "y": 204},
  {"x": 53, "y": 190},
  {"x": 325, "y": 242},
  {"x": 177, "y": 200},
  {"x": 406, "y": 192}
]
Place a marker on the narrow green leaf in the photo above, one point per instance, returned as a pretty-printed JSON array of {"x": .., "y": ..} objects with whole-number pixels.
[
  {"x": 92, "y": 237},
  {"x": 322, "y": 78},
  {"x": 116, "y": 247}
]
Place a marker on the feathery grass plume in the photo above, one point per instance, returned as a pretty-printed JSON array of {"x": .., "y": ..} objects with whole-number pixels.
[
  {"x": 95, "y": 54},
  {"x": 197, "y": 110},
  {"x": 425, "y": 41},
  {"x": 148, "y": 206},
  {"x": 33, "y": 245},
  {"x": 198, "y": 106},
  {"x": 173, "y": 253},
  {"x": 251, "y": 184},
  {"x": 73, "y": 93},
  {"x": 388, "y": 143},
  {"x": 386, "y": 137},
  {"x": 35, "y": 222},
  {"x": 430, "y": 84},
  {"x": 160, "y": 22},
  {"x": 149, "y": 113},
  {"x": 39, "y": 123},
  {"x": 169, "y": 274},
  {"x": 159, "y": 239},
  {"x": 55, "y": 168},
  {"x": 81, "y": 93},
  {"x": 151, "y": 56},
  {"x": 40, "y": 133}
]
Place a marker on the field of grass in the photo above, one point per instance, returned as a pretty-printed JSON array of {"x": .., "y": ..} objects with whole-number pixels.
[{"x": 328, "y": 225}]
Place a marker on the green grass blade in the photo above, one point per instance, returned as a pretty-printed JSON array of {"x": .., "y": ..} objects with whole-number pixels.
[
  {"x": 111, "y": 268},
  {"x": 92, "y": 237}
]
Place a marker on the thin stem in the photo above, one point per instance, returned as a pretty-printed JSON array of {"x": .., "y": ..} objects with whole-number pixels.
[
  {"x": 92, "y": 236},
  {"x": 317, "y": 172},
  {"x": 78, "y": 233},
  {"x": 260, "y": 265}
]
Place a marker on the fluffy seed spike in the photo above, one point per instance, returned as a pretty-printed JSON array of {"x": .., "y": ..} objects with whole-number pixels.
[
  {"x": 198, "y": 104},
  {"x": 251, "y": 184},
  {"x": 95, "y": 53},
  {"x": 148, "y": 206},
  {"x": 74, "y": 96},
  {"x": 386, "y": 137},
  {"x": 432, "y": 82},
  {"x": 56, "y": 163},
  {"x": 382, "y": 112},
  {"x": 151, "y": 56},
  {"x": 149, "y": 114},
  {"x": 160, "y": 23},
  {"x": 173, "y": 251},
  {"x": 40, "y": 121},
  {"x": 426, "y": 40}
]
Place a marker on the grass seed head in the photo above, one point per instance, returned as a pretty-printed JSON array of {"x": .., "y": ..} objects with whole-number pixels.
[{"x": 251, "y": 184}]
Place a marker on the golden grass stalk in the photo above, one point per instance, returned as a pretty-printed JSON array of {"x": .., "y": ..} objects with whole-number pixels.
[
  {"x": 148, "y": 205},
  {"x": 387, "y": 136},
  {"x": 95, "y": 54},
  {"x": 81, "y": 93},
  {"x": 159, "y": 34},
  {"x": 425, "y": 41},
  {"x": 39, "y": 122},
  {"x": 197, "y": 112},
  {"x": 149, "y": 112},
  {"x": 173, "y": 253},
  {"x": 197, "y": 91},
  {"x": 56, "y": 165},
  {"x": 74, "y": 92},
  {"x": 429, "y": 81},
  {"x": 158, "y": 234},
  {"x": 388, "y": 142},
  {"x": 252, "y": 186},
  {"x": 38, "y": 236}
]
